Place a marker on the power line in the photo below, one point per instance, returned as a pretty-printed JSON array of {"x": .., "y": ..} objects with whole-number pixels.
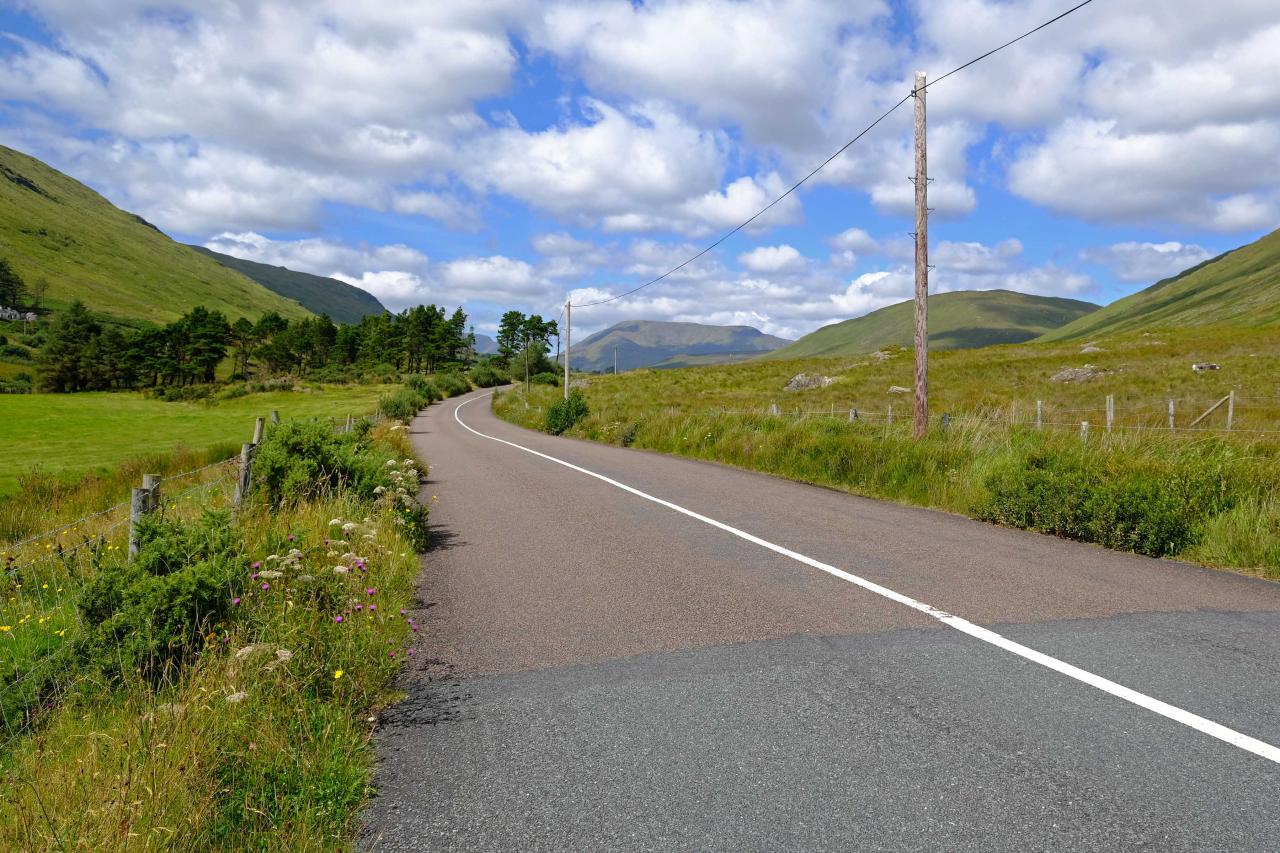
[{"x": 825, "y": 162}]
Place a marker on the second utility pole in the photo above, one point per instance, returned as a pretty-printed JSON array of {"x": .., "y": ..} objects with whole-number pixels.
[
  {"x": 568, "y": 336},
  {"x": 922, "y": 266}
]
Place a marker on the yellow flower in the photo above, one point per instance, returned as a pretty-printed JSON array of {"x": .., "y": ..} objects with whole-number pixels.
[
  {"x": 44, "y": 586},
  {"x": 60, "y": 633},
  {"x": 5, "y": 628},
  {"x": 337, "y": 673}
]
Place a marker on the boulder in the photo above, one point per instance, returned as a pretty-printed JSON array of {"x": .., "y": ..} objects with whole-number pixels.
[
  {"x": 1077, "y": 374},
  {"x": 805, "y": 382}
]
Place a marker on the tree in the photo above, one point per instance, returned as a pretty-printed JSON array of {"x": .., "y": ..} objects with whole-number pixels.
[
  {"x": 39, "y": 290},
  {"x": 510, "y": 336},
  {"x": 12, "y": 288},
  {"x": 66, "y": 360},
  {"x": 243, "y": 339}
]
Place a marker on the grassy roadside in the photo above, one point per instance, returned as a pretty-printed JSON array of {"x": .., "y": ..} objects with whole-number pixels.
[
  {"x": 1205, "y": 498},
  {"x": 255, "y": 735}
]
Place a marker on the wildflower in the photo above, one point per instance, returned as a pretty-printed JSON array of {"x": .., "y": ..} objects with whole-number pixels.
[
  {"x": 6, "y": 628},
  {"x": 373, "y": 607},
  {"x": 61, "y": 633},
  {"x": 253, "y": 577},
  {"x": 409, "y": 652},
  {"x": 237, "y": 697},
  {"x": 292, "y": 537},
  {"x": 391, "y": 653},
  {"x": 401, "y": 611},
  {"x": 370, "y": 591},
  {"x": 334, "y": 522},
  {"x": 235, "y": 601},
  {"x": 337, "y": 673},
  {"x": 340, "y": 570},
  {"x": 359, "y": 607},
  {"x": 269, "y": 575},
  {"x": 266, "y": 586},
  {"x": 256, "y": 564},
  {"x": 337, "y": 620},
  {"x": 44, "y": 586}
]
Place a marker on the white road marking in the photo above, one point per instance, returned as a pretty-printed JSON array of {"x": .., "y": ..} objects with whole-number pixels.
[{"x": 1164, "y": 709}]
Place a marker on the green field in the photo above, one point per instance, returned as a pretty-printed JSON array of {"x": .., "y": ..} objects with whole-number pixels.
[{"x": 74, "y": 434}]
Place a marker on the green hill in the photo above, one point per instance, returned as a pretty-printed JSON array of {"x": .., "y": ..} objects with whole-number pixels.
[
  {"x": 344, "y": 303},
  {"x": 1239, "y": 288},
  {"x": 53, "y": 227},
  {"x": 960, "y": 320},
  {"x": 646, "y": 343}
]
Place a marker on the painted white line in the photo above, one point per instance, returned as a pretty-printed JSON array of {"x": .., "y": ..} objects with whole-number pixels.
[{"x": 1164, "y": 709}]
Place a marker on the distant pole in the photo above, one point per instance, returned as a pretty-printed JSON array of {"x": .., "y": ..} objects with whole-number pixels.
[
  {"x": 526, "y": 366},
  {"x": 568, "y": 341},
  {"x": 1170, "y": 413},
  {"x": 615, "y": 359},
  {"x": 1111, "y": 410},
  {"x": 1231, "y": 408},
  {"x": 1084, "y": 429},
  {"x": 1039, "y": 414},
  {"x": 922, "y": 265}
]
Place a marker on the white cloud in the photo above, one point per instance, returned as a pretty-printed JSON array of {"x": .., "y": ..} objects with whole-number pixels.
[
  {"x": 772, "y": 259},
  {"x": 1146, "y": 262}
]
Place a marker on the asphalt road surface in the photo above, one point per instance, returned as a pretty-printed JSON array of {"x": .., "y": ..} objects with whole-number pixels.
[{"x": 685, "y": 656}]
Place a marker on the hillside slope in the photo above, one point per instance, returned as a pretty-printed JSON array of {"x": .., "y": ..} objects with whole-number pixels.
[
  {"x": 958, "y": 320},
  {"x": 645, "y": 343},
  {"x": 344, "y": 303},
  {"x": 1239, "y": 288},
  {"x": 53, "y": 227}
]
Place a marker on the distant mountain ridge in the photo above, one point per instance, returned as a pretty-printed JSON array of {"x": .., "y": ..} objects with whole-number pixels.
[
  {"x": 651, "y": 343},
  {"x": 53, "y": 227},
  {"x": 1237, "y": 288},
  {"x": 958, "y": 320},
  {"x": 344, "y": 303}
]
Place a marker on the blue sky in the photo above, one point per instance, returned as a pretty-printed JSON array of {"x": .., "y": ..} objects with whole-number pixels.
[{"x": 509, "y": 153}]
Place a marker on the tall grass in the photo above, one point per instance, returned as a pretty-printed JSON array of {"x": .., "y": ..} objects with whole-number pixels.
[{"x": 262, "y": 742}]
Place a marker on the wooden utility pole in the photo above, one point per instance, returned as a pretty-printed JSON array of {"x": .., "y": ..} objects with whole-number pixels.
[
  {"x": 568, "y": 341},
  {"x": 615, "y": 359},
  {"x": 922, "y": 265}
]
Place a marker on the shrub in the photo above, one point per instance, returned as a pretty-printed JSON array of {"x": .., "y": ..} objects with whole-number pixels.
[
  {"x": 404, "y": 405},
  {"x": 424, "y": 388},
  {"x": 149, "y": 615},
  {"x": 563, "y": 414},
  {"x": 453, "y": 383},
  {"x": 13, "y": 352},
  {"x": 546, "y": 378},
  {"x": 304, "y": 459},
  {"x": 485, "y": 376}
]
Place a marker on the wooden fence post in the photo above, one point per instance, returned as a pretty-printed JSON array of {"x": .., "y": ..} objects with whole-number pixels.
[
  {"x": 275, "y": 416},
  {"x": 1171, "y": 413},
  {"x": 1111, "y": 410},
  {"x": 151, "y": 482},
  {"x": 1231, "y": 408},
  {"x": 1084, "y": 430},
  {"x": 242, "y": 482},
  {"x": 137, "y": 509},
  {"x": 258, "y": 425},
  {"x": 1039, "y": 414},
  {"x": 889, "y": 419}
]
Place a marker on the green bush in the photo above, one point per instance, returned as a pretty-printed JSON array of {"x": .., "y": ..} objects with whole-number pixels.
[
  {"x": 453, "y": 383},
  {"x": 546, "y": 378},
  {"x": 424, "y": 387},
  {"x": 1149, "y": 510},
  {"x": 404, "y": 405},
  {"x": 486, "y": 376},
  {"x": 303, "y": 459},
  {"x": 563, "y": 414},
  {"x": 150, "y": 615}
]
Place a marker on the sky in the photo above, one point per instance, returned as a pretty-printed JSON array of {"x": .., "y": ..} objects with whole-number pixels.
[{"x": 507, "y": 154}]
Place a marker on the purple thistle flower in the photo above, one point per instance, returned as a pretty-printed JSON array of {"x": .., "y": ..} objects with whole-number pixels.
[
  {"x": 401, "y": 611},
  {"x": 391, "y": 653},
  {"x": 413, "y": 628},
  {"x": 373, "y": 607},
  {"x": 235, "y": 601},
  {"x": 337, "y": 620},
  {"x": 256, "y": 564},
  {"x": 370, "y": 591},
  {"x": 266, "y": 585},
  {"x": 253, "y": 576},
  {"x": 291, "y": 537},
  {"x": 409, "y": 652}
]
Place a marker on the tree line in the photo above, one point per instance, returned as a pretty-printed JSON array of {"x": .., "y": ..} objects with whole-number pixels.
[{"x": 83, "y": 354}]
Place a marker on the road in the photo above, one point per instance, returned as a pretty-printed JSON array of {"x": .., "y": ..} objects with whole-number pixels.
[{"x": 685, "y": 656}]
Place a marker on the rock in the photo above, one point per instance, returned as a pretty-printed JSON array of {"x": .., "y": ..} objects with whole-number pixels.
[
  {"x": 1205, "y": 365},
  {"x": 805, "y": 382},
  {"x": 898, "y": 389},
  {"x": 1087, "y": 348},
  {"x": 881, "y": 355},
  {"x": 1077, "y": 374}
]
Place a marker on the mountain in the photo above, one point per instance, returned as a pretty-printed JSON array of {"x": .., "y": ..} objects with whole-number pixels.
[
  {"x": 344, "y": 303},
  {"x": 647, "y": 343},
  {"x": 1239, "y": 288},
  {"x": 959, "y": 320},
  {"x": 485, "y": 345},
  {"x": 54, "y": 228}
]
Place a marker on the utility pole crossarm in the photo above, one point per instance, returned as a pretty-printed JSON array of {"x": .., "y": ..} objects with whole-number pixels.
[{"x": 922, "y": 264}]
